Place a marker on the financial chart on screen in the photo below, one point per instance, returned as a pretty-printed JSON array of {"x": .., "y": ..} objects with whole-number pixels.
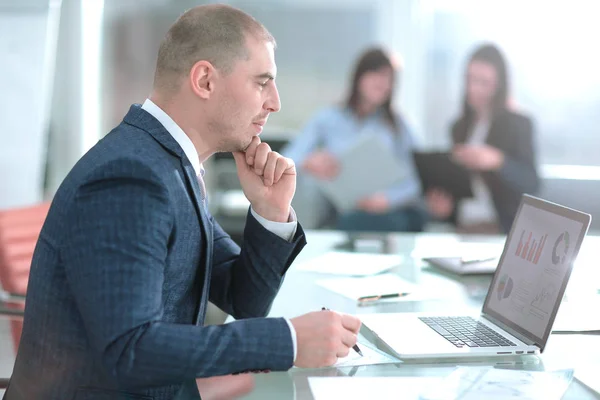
[{"x": 534, "y": 268}]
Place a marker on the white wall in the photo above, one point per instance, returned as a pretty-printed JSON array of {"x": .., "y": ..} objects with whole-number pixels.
[
  {"x": 75, "y": 115},
  {"x": 28, "y": 45}
]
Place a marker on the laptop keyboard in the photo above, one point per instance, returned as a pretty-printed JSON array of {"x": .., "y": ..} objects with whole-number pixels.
[{"x": 466, "y": 331}]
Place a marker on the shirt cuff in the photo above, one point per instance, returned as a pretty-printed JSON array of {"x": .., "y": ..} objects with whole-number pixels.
[
  {"x": 285, "y": 230},
  {"x": 294, "y": 339}
]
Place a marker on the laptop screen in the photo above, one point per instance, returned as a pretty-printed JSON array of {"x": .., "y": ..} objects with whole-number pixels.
[{"x": 534, "y": 269}]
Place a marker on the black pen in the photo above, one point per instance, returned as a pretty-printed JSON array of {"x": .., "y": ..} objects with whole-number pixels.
[
  {"x": 355, "y": 347},
  {"x": 366, "y": 299}
]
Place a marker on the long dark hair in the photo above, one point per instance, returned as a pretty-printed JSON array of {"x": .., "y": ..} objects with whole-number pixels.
[
  {"x": 372, "y": 60},
  {"x": 492, "y": 55}
]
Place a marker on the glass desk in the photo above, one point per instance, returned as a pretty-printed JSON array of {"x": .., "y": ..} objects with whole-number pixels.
[{"x": 300, "y": 294}]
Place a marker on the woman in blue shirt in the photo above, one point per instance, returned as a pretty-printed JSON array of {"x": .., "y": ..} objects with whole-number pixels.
[{"x": 367, "y": 111}]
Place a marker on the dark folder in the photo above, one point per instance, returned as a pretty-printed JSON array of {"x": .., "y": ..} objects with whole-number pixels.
[{"x": 437, "y": 170}]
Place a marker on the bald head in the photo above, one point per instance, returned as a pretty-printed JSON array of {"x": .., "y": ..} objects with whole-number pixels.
[{"x": 214, "y": 33}]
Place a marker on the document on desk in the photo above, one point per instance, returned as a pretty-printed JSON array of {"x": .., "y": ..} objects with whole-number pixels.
[
  {"x": 433, "y": 247},
  {"x": 476, "y": 383},
  {"x": 352, "y": 264},
  {"x": 371, "y": 356},
  {"x": 382, "y": 284},
  {"x": 588, "y": 376},
  {"x": 381, "y": 388},
  {"x": 368, "y": 166},
  {"x": 571, "y": 320}
]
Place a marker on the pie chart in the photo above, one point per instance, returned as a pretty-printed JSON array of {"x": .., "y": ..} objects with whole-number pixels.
[
  {"x": 505, "y": 287},
  {"x": 561, "y": 248}
]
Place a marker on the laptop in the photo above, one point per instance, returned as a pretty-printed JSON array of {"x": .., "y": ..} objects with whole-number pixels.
[{"x": 521, "y": 303}]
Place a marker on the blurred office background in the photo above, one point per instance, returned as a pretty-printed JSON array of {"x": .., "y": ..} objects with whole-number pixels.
[{"x": 71, "y": 69}]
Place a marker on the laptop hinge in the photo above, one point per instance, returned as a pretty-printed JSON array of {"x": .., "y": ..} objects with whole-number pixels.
[{"x": 520, "y": 336}]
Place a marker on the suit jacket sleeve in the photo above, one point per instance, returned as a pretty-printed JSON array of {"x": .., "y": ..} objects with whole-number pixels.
[
  {"x": 458, "y": 133},
  {"x": 519, "y": 170},
  {"x": 244, "y": 283},
  {"x": 119, "y": 230}
]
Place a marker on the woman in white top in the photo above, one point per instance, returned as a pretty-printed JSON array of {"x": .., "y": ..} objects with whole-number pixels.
[{"x": 493, "y": 142}]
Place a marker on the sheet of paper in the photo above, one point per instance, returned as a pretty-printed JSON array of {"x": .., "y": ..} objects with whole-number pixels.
[
  {"x": 354, "y": 181},
  {"x": 589, "y": 377},
  {"x": 370, "y": 356},
  {"x": 428, "y": 247},
  {"x": 353, "y": 288},
  {"x": 381, "y": 388},
  {"x": 356, "y": 287},
  {"x": 570, "y": 318},
  {"x": 354, "y": 264},
  {"x": 474, "y": 383}
]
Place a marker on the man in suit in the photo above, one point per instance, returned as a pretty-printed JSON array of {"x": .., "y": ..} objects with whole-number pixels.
[{"x": 129, "y": 255}]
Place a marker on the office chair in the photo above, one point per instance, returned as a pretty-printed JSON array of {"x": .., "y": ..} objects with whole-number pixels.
[{"x": 19, "y": 232}]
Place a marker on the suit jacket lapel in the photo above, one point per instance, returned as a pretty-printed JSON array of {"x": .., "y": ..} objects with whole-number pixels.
[
  {"x": 143, "y": 120},
  {"x": 207, "y": 234},
  {"x": 461, "y": 132},
  {"x": 140, "y": 118},
  {"x": 497, "y": 133}
]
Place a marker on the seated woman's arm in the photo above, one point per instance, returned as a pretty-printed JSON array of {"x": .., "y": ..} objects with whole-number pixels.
[
  {"x": 408, "y": 191},
  {"x": 305, "y": 149},
  {"x": 306, "y": 142}
]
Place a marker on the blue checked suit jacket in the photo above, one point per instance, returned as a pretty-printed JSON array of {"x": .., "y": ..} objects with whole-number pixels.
[{"x": 124, "y": 267}]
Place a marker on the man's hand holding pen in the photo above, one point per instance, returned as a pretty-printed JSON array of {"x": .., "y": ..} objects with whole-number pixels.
[
  {"x": 355, "y": 347},
  {"x": 323, "y": 337}
]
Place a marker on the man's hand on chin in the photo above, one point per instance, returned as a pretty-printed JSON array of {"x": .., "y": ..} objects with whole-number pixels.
[{"x": 268, "y": 180}]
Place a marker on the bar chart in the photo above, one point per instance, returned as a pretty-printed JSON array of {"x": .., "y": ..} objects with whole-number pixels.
[{"x": 530, "y": 248}]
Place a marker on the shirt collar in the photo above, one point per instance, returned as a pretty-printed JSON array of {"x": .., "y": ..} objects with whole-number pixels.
[{"x": 178, "y": 134}]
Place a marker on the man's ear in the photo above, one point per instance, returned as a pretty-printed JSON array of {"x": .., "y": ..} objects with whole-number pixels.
[{"x": 202, "y": 79}]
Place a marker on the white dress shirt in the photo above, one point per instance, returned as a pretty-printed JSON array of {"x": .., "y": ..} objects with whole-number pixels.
[
  {"x": 285, "y": 230},
  {"x": 479, "y": 208}
]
